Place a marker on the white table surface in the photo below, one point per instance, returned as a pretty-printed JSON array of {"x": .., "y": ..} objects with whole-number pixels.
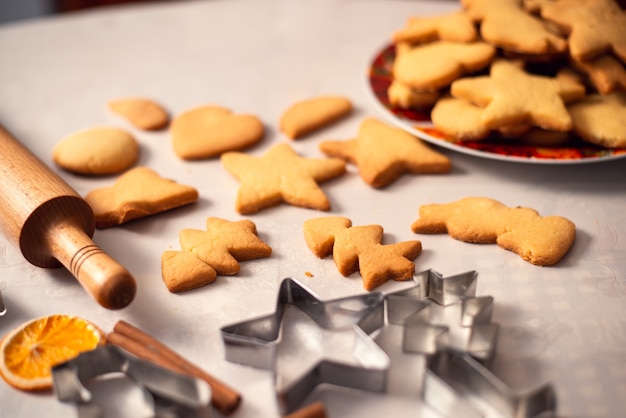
[{"x": 564, "y": 324}]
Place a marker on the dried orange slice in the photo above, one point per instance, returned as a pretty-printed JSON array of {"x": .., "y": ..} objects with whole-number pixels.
[{"x": 28, "y": 353}]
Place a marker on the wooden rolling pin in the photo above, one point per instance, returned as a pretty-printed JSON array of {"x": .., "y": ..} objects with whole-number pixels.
[{"x": 53, "y": 225}]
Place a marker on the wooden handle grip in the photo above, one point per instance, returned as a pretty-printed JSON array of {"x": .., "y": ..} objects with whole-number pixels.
[{"x": 53, "y": 225}]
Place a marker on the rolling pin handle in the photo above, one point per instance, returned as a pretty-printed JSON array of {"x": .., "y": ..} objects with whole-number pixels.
[
  {"x": 109, "y": 283},
  {"x": 52, "y": 224}
]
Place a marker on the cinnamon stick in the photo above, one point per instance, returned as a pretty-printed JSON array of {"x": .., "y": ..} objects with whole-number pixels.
[
  {"x": 139, "y": 343},
  {"x": 315, "y": 410}
]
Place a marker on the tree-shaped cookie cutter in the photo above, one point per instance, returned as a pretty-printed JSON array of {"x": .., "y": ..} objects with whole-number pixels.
[
  {"x": 443, "y": 319},
  {"x": 256, "y": 343},
  {"x": 444, "y": 312},
  {"x": 166, "y": 393}
]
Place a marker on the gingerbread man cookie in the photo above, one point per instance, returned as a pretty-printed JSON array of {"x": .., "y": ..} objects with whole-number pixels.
[{"x": 539, "y": 240}]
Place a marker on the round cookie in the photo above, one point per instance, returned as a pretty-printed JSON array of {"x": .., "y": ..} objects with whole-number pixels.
[
  {"x": 97, "y": 151},
  {"x": 460, "y": 119}
]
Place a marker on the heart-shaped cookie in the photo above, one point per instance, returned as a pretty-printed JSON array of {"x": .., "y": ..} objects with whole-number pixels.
[{"x": 209, "y": 131}]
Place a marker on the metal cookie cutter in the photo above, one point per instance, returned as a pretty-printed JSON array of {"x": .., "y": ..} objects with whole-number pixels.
[
  {"x": 165, "y": 393},
  {"x": 444, "y": 312},
  {"x": 3, "y": 308},
  {"x": 453, "y": 378},
  {"x": 443, "y": 318},
  {"x": 271, "y": 342}
]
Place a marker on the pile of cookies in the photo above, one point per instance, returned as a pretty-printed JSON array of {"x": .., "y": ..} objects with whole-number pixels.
[{"x": 538, "y": 71}]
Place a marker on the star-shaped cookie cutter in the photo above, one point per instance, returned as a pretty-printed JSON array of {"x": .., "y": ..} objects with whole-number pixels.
[
  {"x": 451, "y": 374},
  {"x": 256, "y": 343},
  {"x": 444, "y": 312},
  {"x": 165, "y": 393}
]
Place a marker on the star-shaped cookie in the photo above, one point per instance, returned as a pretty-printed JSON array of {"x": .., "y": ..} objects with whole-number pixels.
[
  {"x": 511, "y": 96},
  {"x": 384, "y": 153},
  {"x": 595, "y": 26},
  {"x": 281, "y": 175}
]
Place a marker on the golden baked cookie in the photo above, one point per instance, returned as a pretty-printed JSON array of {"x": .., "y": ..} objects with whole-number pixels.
[
  {"x": 606, "y": 73},
  {"x": 209, "y": 131},
  {"x": 138, "y": 193},
  {"x": 403, "y": 96},
  {"x": 534, "y": 6},
  {"x": 205, "y": 254},
  {"x": 601, "y": 119},
  {"x": 309, "y": 115},
  {"x": 459, "y": 119},
  {"x": 511, "y": 96},
  {"x": 360, "y": 248},
  {"x": 97, "y": 151},
  {"x": 455, "y": 27},
  {"x": 384, "y": 153},
  {"x": 225, "y": 243},
  {"x": 183, "y": 270},
  {"x": 595, "y": 27},
  {"x": 505, "y": 24},
  {"x": 539, "y": 240},
  {"x": 435, "y": 65},
  {"x": 142, "y": 113},
  {"x": 462, "y": 120},
  {"x": 280, "y": 175}
]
